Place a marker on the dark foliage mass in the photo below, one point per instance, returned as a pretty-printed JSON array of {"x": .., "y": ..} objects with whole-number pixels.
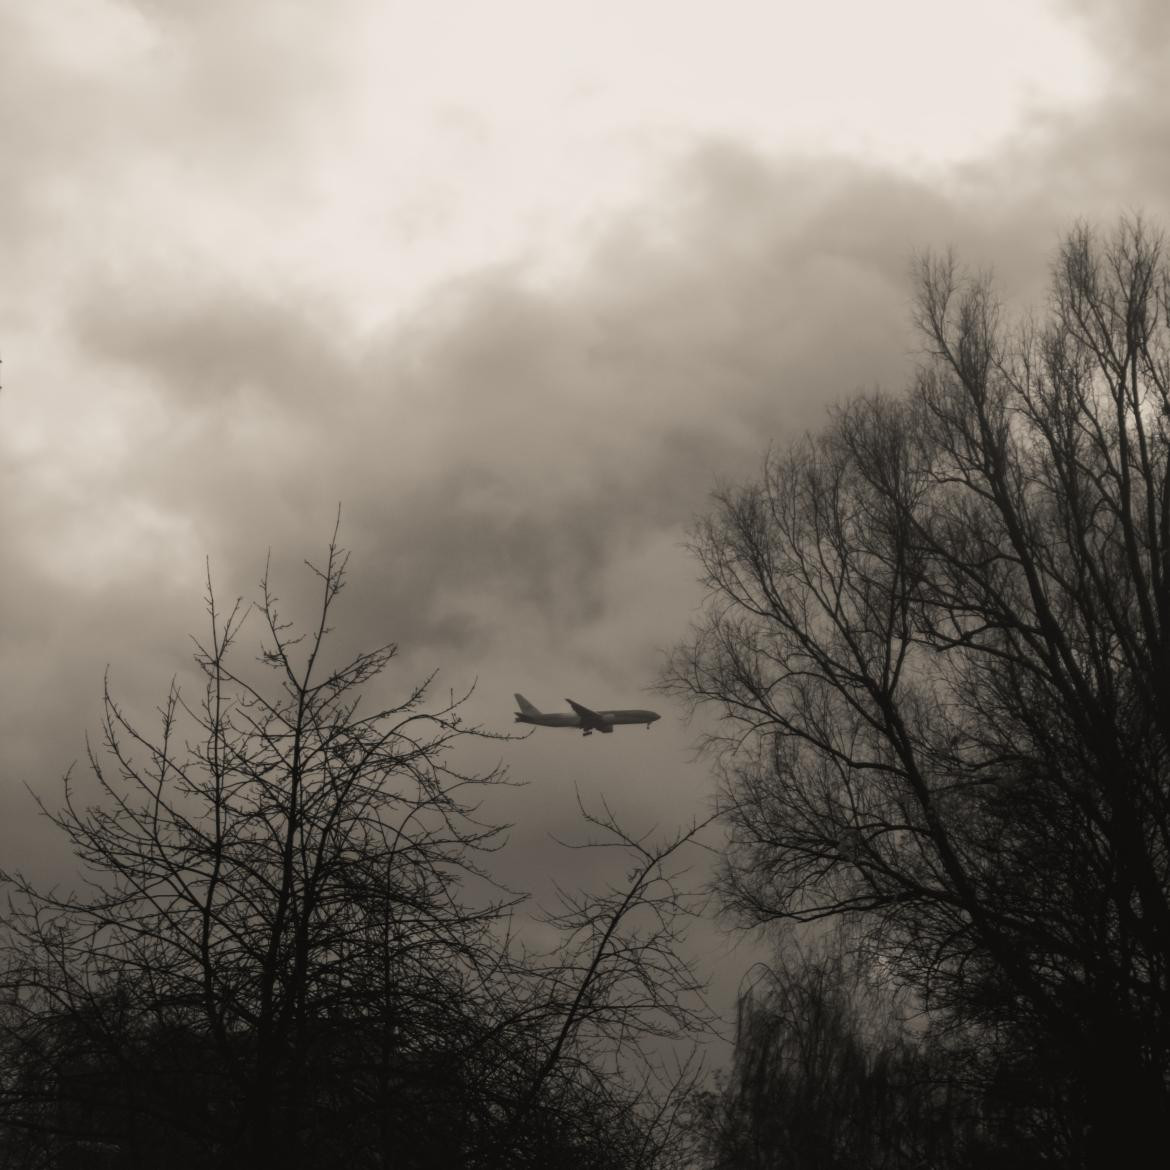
[
  {"x": 832, "y": 1071},
  {"x": 276, "y": 959},
  {"x": 939, "y": 639}
]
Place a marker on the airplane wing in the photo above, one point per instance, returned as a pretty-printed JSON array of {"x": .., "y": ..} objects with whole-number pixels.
[{"x": 590, "y": 719}]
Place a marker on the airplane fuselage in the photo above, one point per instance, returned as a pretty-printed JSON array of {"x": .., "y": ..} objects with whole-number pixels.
[
  {"x": 611, "y": 717},
  {"x": 584, "y": 719}
]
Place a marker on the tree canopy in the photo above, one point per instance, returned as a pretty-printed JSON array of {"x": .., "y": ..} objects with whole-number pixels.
[{"x": 938, "y": 636}]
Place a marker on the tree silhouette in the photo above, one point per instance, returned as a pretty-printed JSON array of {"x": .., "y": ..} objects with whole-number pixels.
[
  {"x": 275, "y": 956},
  {"x": 939, "y": 636}
]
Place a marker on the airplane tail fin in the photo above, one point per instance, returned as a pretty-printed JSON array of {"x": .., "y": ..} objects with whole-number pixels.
[{"x": 526, "y": 708}]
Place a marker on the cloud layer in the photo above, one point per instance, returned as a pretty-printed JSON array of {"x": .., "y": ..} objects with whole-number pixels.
[{"x": 200, "y": 361}]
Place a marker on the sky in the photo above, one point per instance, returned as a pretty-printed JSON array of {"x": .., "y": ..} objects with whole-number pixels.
[{"x": 514, "y": 284}]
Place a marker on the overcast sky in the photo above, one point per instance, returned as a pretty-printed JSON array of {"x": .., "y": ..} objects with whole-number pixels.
[{"x": 513, "y": 282}]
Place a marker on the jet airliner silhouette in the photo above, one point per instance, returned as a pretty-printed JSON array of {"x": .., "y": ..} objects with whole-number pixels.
[{"x": 584, "y": 718}]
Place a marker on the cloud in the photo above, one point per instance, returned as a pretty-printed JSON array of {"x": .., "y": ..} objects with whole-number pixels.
[
  {"x": 517, "y": 459},
  {"x": 510, "y": 441},
  {"x": 203, "y": 344},
  {"x": 517, "y": 449},
  {"x": 1095, "y": 162}
]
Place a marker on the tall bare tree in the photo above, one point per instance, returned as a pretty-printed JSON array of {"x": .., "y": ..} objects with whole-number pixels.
[{"x": 939, "y": 637}]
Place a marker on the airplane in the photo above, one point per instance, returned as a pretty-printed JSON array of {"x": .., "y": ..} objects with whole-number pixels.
[{"x": 582, "y": 717}]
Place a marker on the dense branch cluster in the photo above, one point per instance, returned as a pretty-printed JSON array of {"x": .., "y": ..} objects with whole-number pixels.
[
  {"x": 939, "y": 636},
  {"x": 275, "y": 958}
]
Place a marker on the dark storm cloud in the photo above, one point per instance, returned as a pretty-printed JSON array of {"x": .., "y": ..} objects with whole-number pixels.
[
  {"x": 202, "y": 344},
  {"x": 511, "y": 441},
  {"x": 518, "y": 458},
  {"x": 500, "y": 451}
]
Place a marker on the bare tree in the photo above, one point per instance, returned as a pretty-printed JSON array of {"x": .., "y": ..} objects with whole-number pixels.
[
  {"x": 826, "y": 1075},
  {"x": 276, "y": 956},
  {"x": 298, "y": 863},
  {"x": 939, "y": 636},
  {"x": 833, "y": 1068},
  {"x": 613, "y": 985}
]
